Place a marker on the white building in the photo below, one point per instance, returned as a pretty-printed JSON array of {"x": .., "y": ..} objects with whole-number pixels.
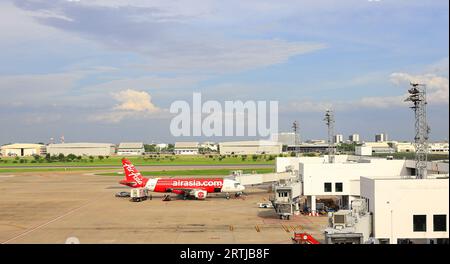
[
  {"x": 250, "y": 147},
  {"x": 379, "y": 147},
  {"x": 363, "y": 150},
  {"x": 407, "y": 209},
  {"x": 338, "y": 138},
  {"x": 354, "y": 138},
  {"x": 161, "y": 146},
  {"x": 403, "y": 146},
  {"x": 186, "y": 148},
  {"x": 382, "y": 137},
  {"x": 130, "y": 148},
  {"x": 209, "y": 146},
  {"x": 79, "y": 149},
  {"x": 438, "y": 148},
  {"x": 22, "y": 149}
]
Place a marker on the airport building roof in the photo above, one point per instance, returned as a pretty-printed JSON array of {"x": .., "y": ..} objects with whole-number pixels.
[
  {"x": 131, "y": 145},
  {"x": 186, "y": 145},
  {"x": 22, "y": 145}
]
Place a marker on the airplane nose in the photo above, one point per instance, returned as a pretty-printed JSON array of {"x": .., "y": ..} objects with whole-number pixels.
[{"x": 242, "y": 187}]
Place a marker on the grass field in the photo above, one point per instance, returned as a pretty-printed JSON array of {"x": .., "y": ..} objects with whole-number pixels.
[
  {"x": 152, "y": 160},
  {"x": 20, "y": 170},
  {"x": 220, "y": 172}
]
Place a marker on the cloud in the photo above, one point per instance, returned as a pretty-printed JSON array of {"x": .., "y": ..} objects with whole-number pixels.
[
  {"x": 437, "y": 86},
  {"x": 132, "y": 105},
  {"x": 309, "y": 106},
  {"x": 435, "y": 78},
  {"x": 139, "y": 101},
  {"x": 169, "y": 40}
]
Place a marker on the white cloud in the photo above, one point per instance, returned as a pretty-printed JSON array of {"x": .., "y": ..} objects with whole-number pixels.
[
  {"x": 132, "y": 105},
  {"x": 132, "y": 100},
  {"x": 437, "y": 86}
]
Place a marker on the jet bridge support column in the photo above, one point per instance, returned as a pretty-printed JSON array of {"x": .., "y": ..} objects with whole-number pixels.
[{"x": 311, "y": 203}]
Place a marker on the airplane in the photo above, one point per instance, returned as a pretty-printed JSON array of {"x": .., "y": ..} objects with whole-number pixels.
[{"x": 188, "y": 187}]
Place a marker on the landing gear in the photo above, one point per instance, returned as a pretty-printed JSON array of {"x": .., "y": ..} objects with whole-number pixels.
[
  {"x": 227, "y": 196},
  {"x": 238, "y": 194}
]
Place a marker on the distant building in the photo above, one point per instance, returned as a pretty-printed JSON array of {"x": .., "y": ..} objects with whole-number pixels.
[
  {"x": 403, "y": 146},
  {"x": 250, "y": 147},
  {"x": 437, "y": 148},
  {"x": 130, "y": 148},
  {"x": 186, "y": 148},
  {"x": 316, "y": 141},
  {"x": 379, "y": 147},
  {"x": 80, "y": 149},
  {"x": 338, "y": 138},
  {"x": 23, "y": 149},
  {"x": 161, "y": 146},
  {"x": 211, "y": 146},
  {"x": 363, "y": 151},
  {"x": 381, "y": 137},
  {"x": 354, "y": 138},
  {"x": 286, "y": 138}
]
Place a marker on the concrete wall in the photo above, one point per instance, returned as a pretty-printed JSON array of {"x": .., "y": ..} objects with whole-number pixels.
[
  {"x": 393, "y": 203},
  {"x": 432, "y": 166}
]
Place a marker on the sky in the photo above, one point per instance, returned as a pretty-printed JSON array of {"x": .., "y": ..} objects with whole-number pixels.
[{"x": 109, "y": 70}]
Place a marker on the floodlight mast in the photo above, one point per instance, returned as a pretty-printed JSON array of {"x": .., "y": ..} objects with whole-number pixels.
[
  {"x": 295, "y": 128},
  {"x": 329, "y": 120},
  {"x": 417, "y": 95}
]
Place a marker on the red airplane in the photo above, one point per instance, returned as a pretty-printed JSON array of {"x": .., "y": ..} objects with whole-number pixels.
[{"x": 194, "y": 187}]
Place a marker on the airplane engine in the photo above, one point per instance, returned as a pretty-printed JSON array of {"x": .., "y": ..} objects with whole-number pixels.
[{"x": 200, "y": 194}]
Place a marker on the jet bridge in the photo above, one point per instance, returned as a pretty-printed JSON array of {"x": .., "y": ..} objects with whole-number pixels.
[
  {"x": 286, "y": 197},
  {"x": 259, "y": 178}
]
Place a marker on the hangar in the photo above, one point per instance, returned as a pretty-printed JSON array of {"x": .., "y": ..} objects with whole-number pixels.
[
  {"x": 130, "y": 148},
  {"x": 23, "y": 149},
  {"x": 88, "y": 149},
  {"x": 250, "y": 147}
]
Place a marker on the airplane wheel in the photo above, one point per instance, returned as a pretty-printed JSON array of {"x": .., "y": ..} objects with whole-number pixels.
[{"x": 228, "y": 197}]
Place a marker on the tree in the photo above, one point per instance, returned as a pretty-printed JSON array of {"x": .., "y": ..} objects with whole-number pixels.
[
  {"x": 150, "y": 147},
  {"x": 101, "y": 157},
  {"x": 61, "y": 157},
  {"x": 71, "y": 157}
]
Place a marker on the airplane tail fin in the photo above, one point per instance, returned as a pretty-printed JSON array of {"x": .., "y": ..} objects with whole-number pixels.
[{"x": 133, "y": 177}]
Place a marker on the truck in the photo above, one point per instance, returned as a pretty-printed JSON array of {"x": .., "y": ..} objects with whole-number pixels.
[{"x": 138, "y": 194}]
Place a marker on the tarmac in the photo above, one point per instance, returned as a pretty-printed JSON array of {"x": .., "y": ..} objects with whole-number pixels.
[{"x": 51, "y": 208}]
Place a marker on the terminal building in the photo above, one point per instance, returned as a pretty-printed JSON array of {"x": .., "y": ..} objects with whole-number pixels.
[
  {"x": 250, "y": 147},
  {"x": 82, "y": 149},
  {"x": 402, "y": 209},
  {"x": 408, "y": 210},
  {"x": 130, "y": 149},
  {"x": 23, "y": 150}
]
